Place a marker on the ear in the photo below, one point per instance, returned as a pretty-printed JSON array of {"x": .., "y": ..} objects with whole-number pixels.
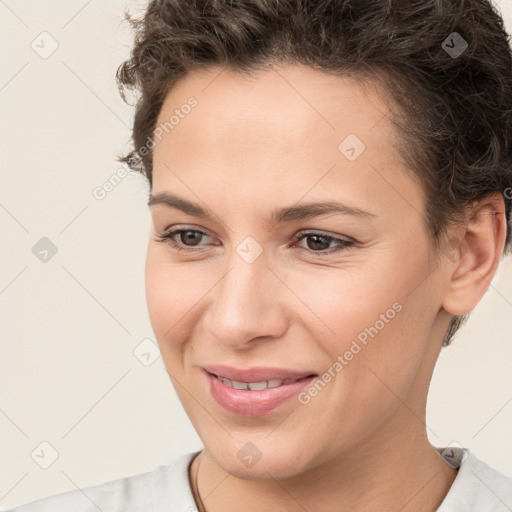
[{"x": 473, "y": 264}]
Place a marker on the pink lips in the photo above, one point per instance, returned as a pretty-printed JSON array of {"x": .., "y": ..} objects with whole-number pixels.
[{"x": 253, "y": 403}]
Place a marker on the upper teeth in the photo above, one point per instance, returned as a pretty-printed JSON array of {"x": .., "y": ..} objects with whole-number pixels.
[{"x": 255, "y": 386}]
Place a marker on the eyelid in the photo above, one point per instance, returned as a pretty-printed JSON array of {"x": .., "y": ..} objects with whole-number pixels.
[{"x": 326, "y": 234}]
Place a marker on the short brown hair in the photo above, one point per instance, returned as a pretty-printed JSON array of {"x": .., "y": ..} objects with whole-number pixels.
[{"x": 448, "y": 65}]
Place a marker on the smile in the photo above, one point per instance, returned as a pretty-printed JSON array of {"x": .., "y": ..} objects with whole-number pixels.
[
  {"x": 256, "y": 386},
  {"x": 255, "y": 396}
]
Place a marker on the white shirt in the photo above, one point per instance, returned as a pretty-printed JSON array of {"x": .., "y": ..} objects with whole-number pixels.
[{"x": 476, "y": 488}]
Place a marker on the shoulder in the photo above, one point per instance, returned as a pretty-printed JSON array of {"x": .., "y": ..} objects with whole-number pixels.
[
  {"x": 152, "y": 490},
  {"x": 477, "y": 486}
]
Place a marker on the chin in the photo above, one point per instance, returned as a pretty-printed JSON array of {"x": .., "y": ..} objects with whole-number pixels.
[{"x": 260, "y": 460}]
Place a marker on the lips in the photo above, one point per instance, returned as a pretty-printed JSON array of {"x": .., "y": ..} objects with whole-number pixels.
[
  {"x": 255, "y": 391},
  {"x": 256, "y": 374}
]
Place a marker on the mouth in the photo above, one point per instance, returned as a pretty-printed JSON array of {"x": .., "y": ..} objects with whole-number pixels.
[
  {"x": 260, "y": 385},
  {"x": 254, "y": 392}
]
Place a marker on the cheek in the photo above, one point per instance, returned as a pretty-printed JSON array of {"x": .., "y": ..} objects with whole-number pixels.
[
  {"x": 372, "y": 360},
  {"x": 345, "y": 303},
  {"x": 172, "y": 291},
  {"x": 372, "y": 329}
]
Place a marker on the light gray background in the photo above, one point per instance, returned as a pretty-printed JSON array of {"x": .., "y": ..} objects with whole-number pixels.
[{"x": 70, "y": 325}]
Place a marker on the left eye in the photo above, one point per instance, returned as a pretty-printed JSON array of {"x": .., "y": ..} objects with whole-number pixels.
[
  {"x": 319, "y": 245},
  {"x": 322, "y": 240}
]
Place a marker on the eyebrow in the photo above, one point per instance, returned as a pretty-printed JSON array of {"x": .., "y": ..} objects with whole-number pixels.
[{"x": 303, "y": 211}]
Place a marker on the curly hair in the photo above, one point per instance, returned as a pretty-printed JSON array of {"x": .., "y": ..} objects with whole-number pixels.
[{"x": 447, "y": 64}]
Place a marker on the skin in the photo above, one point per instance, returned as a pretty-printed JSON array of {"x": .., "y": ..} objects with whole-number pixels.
[{"x": 255, "y": 144}]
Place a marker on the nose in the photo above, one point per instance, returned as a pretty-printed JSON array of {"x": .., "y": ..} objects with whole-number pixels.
[{"x": 248, "y": 304}]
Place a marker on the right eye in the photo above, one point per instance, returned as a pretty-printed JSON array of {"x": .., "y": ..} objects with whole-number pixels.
[{"x": 184, "y": 236}]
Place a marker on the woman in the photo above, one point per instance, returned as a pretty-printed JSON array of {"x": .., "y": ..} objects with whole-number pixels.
[{"x": 330, "y": 190}]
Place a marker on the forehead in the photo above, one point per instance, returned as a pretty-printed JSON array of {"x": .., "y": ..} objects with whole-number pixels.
[
  {"x": 286, "y": 127},
  {"x": 287, "y": 100}
]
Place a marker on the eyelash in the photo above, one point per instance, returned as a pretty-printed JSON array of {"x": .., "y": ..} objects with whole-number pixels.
[{"x": 343, "y": 244}]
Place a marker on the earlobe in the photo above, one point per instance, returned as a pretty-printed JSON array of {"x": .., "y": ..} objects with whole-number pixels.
[{"x": 477, "y": 256}]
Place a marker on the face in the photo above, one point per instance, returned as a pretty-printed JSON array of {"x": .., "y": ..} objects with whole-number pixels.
[{"x": 267, "y": 287}]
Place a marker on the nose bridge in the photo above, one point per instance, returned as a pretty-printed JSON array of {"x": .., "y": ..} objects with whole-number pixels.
[{"x": 246, "y": 301}]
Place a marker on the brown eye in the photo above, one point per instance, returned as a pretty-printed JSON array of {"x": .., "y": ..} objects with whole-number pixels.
[
  {"x": 186, "y": 240},
  {"x": 189, "y": 236},
  {"x": 317, "y": 242},
  {"x": 321, "y": 243}
]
